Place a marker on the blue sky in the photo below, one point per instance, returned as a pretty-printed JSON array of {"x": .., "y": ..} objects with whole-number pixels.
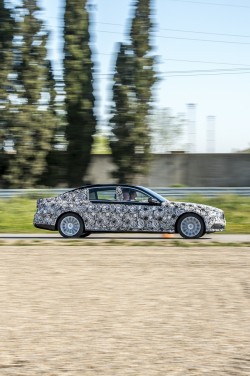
[{"x": 203, "y": 49}]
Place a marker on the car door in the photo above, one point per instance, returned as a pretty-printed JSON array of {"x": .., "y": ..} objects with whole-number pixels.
[
  {"x": 103, "y": 214},
  {"x": 142, "y": 213}
]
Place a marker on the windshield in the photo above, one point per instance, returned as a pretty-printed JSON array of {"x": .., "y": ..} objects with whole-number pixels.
[{"x": 154, "y": 194}]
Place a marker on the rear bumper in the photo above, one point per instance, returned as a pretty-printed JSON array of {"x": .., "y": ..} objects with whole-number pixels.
[{"x": 45, "y": 227}]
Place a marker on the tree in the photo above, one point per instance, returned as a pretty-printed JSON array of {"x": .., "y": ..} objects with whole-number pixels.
[
  {"x": 6, "y": 59},
  {"x": 55, "y": 172},
  {"x": 123, "y": 141},
  {"x": 78, "y": 76},
  {"x": 33, "y": 123},
  {"x": 130, "y": 140}
]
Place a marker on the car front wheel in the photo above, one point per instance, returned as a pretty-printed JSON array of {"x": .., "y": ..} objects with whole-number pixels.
[
  {"x": 191, "y": 226},
  {"x": 70, "y": 225}
]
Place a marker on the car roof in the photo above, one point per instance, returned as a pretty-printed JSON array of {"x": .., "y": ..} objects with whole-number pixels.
[{"x": 107, "y": 185}]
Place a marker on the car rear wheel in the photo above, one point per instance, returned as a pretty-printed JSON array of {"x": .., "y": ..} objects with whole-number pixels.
[
  {"x": 70, "y": 225},
  {"x": 191, "y": 226}
]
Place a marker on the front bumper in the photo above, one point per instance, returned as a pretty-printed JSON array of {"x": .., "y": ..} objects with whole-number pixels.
[
  {"x": 218, "y": 224},
  {"x": 218, "y": 227}
]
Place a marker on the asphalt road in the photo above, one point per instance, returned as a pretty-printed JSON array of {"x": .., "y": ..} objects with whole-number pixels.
[{"x": 222, "y": 238}]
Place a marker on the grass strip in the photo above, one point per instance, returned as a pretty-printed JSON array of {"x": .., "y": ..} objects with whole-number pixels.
[{"x": 16, "y": 214}]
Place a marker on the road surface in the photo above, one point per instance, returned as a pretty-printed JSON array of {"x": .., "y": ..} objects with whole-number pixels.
[
  {"x": 222, "y": 238},
  {"x": 74, "y": 310}
]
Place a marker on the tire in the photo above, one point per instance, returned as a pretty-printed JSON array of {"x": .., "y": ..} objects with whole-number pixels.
[
  {"x": 191, "y": 226},
  {"x": 70, "y": 225},
  {"x": 85, "y": 234}
]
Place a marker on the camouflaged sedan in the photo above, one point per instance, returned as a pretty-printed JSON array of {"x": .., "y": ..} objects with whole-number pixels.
[{"x": 124, "y": 208}]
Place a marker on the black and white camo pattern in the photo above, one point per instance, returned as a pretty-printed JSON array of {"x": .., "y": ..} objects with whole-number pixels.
[{"x": 123, "y": 216}]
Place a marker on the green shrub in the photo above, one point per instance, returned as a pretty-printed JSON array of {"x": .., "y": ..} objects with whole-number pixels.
[{"x": 16, "y": 215}]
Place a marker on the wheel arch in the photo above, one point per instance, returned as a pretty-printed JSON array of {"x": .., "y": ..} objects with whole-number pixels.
[
  {"x": 190, "y": 212},
  {"x": 69, "y": 212}
]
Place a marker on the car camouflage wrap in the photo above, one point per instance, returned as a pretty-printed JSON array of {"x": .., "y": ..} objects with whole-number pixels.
[{"x": 118, "y": 216}]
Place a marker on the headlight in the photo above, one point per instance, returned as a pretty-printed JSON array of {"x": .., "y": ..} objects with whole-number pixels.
[{"x": 217, "y": 213}]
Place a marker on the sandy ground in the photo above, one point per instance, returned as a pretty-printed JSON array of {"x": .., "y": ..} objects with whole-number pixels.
[{"x": 112, "y": 310}]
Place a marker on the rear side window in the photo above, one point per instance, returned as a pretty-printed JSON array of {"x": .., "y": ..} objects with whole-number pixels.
[{"x": 102, "y": 194}]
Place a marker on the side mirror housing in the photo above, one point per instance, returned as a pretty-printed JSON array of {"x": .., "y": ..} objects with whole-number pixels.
[{"x": 153, "y": 201}]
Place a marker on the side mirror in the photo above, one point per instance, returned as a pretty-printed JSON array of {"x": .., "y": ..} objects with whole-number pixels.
[{"x": 153, "y": 201}]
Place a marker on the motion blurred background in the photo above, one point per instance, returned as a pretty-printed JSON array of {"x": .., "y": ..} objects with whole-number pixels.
[{"x": 140, "y": 91}]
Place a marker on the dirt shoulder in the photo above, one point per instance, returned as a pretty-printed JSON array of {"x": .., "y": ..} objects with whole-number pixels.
[{"x": 113, "y": 309}]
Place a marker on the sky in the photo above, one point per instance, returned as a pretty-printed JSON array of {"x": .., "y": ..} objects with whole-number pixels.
[{"x": 203, "y": 59}]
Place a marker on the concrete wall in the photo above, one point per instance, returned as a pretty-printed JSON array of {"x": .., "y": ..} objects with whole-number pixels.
[{"x": 194, "y": 170}]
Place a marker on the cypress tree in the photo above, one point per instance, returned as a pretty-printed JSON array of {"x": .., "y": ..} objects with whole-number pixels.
[
  {"x": 144, "y": 76},
  {"x": 133, "y": 161},
  {"x": 78, "y": 76},
  {"x": 34, "y": 123},
  {"x": 123, "y": 112},
  {"x": 55, "y": 172},
  {"x": 6, "y": 59}
]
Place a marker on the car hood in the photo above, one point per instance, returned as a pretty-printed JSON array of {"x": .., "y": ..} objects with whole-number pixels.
[{"x": 194, "y": 206}]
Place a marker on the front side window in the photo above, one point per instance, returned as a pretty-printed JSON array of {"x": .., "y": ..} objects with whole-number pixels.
[{"x": 134, "y": 195}]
